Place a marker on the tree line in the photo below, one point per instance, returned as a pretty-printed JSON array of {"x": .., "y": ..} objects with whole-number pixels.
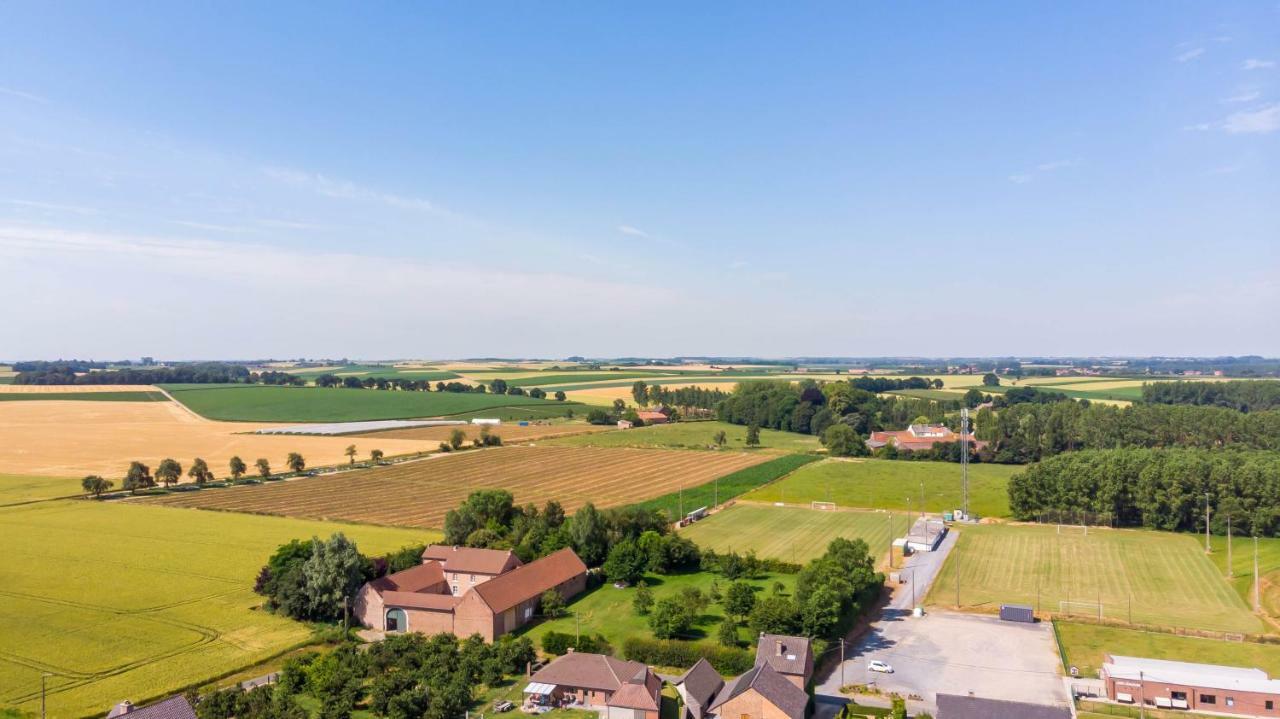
[
  {"x": 139, "y": 476},
  {"x": 1156, "y": 488},
  {"x": 194, "y": 373},
  {"x": 1031, "y": 432},
  {"x": 810, "y": 408},
  {"x": 1243, "y": 395},
  {"x": 685, "y": 398}
]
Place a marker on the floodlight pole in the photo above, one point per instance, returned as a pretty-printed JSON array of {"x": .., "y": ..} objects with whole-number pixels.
[
  {"x": 1257, "y": 606},
  {"x": 1230, "y": 571},
  {"x": 964, "y": 458},
  {"x": 1207, "y": 549},
  {"x": 1142, "y": 695}
]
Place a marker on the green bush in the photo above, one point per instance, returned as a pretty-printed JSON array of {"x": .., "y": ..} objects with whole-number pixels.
[{"x": 676, "y": 653}]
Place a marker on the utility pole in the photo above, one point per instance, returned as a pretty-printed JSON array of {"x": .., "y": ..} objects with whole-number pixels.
[
  {"x": 43, "y": 677},
  {"x": 922, "y": 498},
  {"x": 964, "y": 458},
  {"x": 1207, "y": 549},
  {"x": 1257, "y": 606},
  {"x": 1142, "y": 696},
  {"x": 1230, "y": 569},
  {"x": 891, "y": 540},
  {"x": 576, "y": 629},
  {"x": 842, "y": 684},
  {"x": 716, "y": 502}
]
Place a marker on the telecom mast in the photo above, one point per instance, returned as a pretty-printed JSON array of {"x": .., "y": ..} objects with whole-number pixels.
[{"x": 964, "y": 457}]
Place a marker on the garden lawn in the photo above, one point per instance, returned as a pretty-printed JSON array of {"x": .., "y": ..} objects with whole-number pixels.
[
  {"x": 254, "y": 403},
  {"x": 694, "y": 435},
  {"x": 607, "y": 610},
  {"x": 792, "y": 534},
  {"x": 118, "y": 600},
  {"x": 676, "y": 504},
  {"x": 890, "y": 483},
  {"x": 1167, "y": 576},
  {"x": 1083, "y": 646}
]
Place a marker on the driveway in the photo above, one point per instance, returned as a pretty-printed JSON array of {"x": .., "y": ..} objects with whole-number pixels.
[{"x": 951, "y": 653}]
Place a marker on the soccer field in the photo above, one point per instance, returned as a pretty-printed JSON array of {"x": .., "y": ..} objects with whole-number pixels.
[
  {"x": 694, "y": 435},
  {"x": 1084, "y": 646},
  {"x": 122, "y": 601},
  {"x": 892, "y": 484},
  {"x": 792, "y": 534},
  {"x": 1163, "y": 578}
]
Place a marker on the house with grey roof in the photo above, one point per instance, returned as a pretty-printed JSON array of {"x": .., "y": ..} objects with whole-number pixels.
[
  {"x": 960, "y": 706},
  {"x": 175, "y": 707},
  {"x": 792, "y": 657},
  {"x": 698, "y": 688},
  {"x": 759, "y": 693}
]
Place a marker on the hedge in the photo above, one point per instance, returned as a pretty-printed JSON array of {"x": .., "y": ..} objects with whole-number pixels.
[{"x": 676, "y": 653}]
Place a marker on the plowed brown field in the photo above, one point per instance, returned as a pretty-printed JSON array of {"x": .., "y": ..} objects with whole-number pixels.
[
  {"x": 417, "y": 494},
  {"x": 510, "y": 433}
]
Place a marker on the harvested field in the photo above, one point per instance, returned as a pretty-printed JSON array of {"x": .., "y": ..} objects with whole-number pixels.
[
  {"x": 417, "y": 494},
  {"x": 72, "y": 439},
  {"x": 74, "y": 388},
  {"x": 256, "y": 403},
  {"x": 510, "y": 433}
]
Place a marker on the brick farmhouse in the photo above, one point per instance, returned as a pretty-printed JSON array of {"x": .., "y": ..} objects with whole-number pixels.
[{"x": 465, "y": 591}]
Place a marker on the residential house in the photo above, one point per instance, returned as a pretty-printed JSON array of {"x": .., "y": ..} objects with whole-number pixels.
[
  {"x": 698, "y": 688},
  {"x": 761, "y": 693},
  {"x": 957, "y": 706},
  {"x": 918, "y": 437},
  {"x": 616, "y": 688},
  {"x": 466, "y": 567},
  {"x": 792, "y": 657},
  {"x": 423, "y": 598},
  {"x": 175, "y": 707},
  {"x": 653, "y": 417}
]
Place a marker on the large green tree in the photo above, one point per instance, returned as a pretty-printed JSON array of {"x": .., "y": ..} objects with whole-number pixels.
[{"x": 169, "y": 472}]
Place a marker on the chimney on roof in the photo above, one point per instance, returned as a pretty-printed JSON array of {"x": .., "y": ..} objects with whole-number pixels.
[
  {"x": 569, "y": 650},
  {"x": 778, "y": 643},
  {"x": 455, "y": 547}
]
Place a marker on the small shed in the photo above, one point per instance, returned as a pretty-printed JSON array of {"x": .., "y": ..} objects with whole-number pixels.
[{"x": 1018, "y": 613}]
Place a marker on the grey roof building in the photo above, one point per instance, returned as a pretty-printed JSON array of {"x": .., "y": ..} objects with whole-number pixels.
[{"x": 958, "y": 706}]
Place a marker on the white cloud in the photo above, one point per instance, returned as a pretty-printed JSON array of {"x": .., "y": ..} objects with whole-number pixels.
[
  {"x": 737, "y": 264},
  {"x": 212, "y": 227},
  {"x": 344, "y": 190},
  {"x": 1190, "y": 55},
  {"x": 1023, "y": 178},
  {"x": 633, "y": 231},
  {"x": 1199, "y": 126},
  {"x": 1260, "y": 122},
  {"x": 1243, "y": 97},
  {"x": 1056, "y": 165},
  {"x": 51, "y": 207},
  {"x": 1020, "y": 179},
  {"x": 1254, "y": 63},
  {"x": 24, "y": 95}
]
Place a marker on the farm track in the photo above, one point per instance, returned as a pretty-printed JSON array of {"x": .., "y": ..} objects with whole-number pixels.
[{"x": 418, "y": 494}]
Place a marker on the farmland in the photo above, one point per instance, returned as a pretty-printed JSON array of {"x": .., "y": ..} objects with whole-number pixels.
[
  {"x": 17, "y": 489},
  {"x": 1167, "y": 576},
  {"x": 417, "y": 494},
  {"x": 691, "y": 496},
  {"x": 693, "y": 435},
  {"x": 72, "y": 439},
  {"x": 165, "y": 601},
  {"x": 83, "y": 396},
  {"x": 510, "y": 433},
  {"x": 243, "y": 403},
  {"x": 792, "y": 534},
  {"x": 890, "y": 484}
]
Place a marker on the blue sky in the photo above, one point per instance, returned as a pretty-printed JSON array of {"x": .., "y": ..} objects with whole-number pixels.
[{"x": 547, "y": 179}]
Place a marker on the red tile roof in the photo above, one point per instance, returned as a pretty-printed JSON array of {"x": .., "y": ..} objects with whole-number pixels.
[
  {"x": 414, "y": 579},
  {"x": 588, "y": 671},
  {"x": 420, "y": 600},
  {"x": 531, "y": 580},
  {"x": 471, "y": 560}
]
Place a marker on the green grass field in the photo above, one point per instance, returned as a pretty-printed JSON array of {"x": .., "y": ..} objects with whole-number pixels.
[
  {"x": 888, "y": 484},
  {"x": 692, "y": 435},
  {"x": 676, "y": 504},
  {"x": 1166, "y": 576},
  {"x": 18, "y": 489},
  {"x": 312, "y": 404},
  {"x": 385, "y": 371},
  {"x": 83, "y": 396},
  {"x": 557, "y": 378},
  {"x": 792, "y": 534},
  {"x": 1084, "y": 645},
  {"x": 119, "y": 600},
  {"x": 607, "y": 610}
]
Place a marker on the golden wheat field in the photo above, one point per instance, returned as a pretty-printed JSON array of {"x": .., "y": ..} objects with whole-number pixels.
[{"x": 74, "y": 438}]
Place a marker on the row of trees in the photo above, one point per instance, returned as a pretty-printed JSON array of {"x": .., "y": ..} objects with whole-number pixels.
[
  {"x": 194, "y": 373},
  {"x": 1157, "y": 488},
  {"x": 1031, "y": 432},
  {"x": 406, "y": 676},
  {"x": 489, "y": 518},
  {"x": 169, "y": 472},
  {"x": 1244, "y": 396},
  {"x": 686, "y": 398}
]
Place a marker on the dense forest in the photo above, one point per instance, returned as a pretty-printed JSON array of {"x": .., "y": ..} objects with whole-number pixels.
[
  {"x": 1243, "y": 395},
  {"x": 810, "y": 408},
  {"x": 1155, "y": 488},
  {"x": 1031, "y": 432}
]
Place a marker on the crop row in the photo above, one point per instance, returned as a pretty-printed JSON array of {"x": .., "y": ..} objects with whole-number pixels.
[{"x": 418, "y": 494}]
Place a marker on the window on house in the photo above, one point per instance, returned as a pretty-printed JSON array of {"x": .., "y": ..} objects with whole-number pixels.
[
  {"x": 1270, "y": 705},
  {"x": 1178, "y": 696},
  {"x": 473, "y": 579},
  {"x": 1231, "y": 701},
  {"x": 455, "y": 590},
  {"x": 1208, "y": 699}
]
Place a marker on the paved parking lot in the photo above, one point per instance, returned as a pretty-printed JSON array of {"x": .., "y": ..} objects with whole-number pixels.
[{"x": 958, "y": 654}]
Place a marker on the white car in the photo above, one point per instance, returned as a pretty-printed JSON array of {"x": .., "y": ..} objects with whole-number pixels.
[{"x": 876, "y": 665}]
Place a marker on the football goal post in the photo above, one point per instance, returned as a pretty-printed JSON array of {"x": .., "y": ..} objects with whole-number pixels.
[
  {"x": 822, "y": 505},
  {"x": 1072, "y": 608},
  {"x": 1073, "y": 529}
]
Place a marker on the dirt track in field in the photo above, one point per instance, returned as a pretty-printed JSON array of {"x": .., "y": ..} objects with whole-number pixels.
[
  {"x": 417, "y": 494},
  {"x": 72, "y": 438}
]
